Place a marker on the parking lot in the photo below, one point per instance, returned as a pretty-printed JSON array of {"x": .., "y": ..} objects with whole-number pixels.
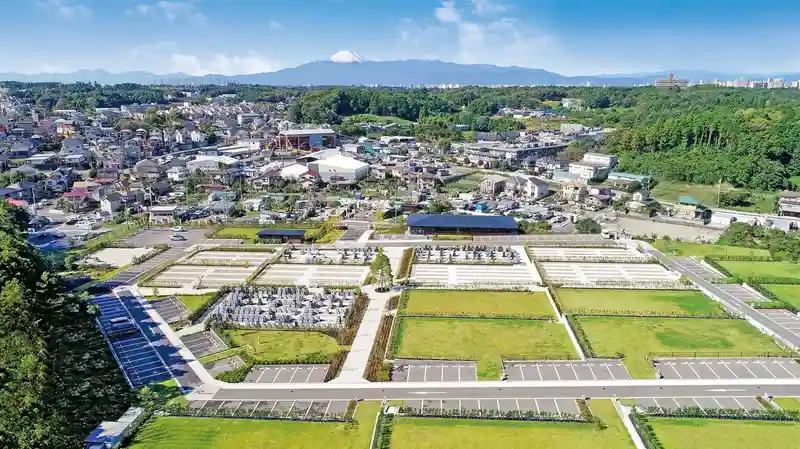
[
  {"x": 285, "y": 374},
  {"x": 131, "y": 273},
  {"x": 784, "y": 318},
  {"x": 224, "y": 365},
  {"x": 278, "y": 409},
  {"x": 582, "y": 273},
  {"x": 110, "y": 307},
  {"x": 282, "y": 274},
  {"x": 501, "y": 275},
  {"x": 745, "y": 403},
  {"x": 139, "y": 360},
  {"x": 587, "y": 254},
  {"x": 433, "y": 371},
  {"x": 420, "y": 238},
  {"x": 733, "y": 368},
  {"x": 553, "y": 405},
  {"x": 170, "y": 308},
  {"x": 187, "y": 275},
  {"x": 742, "y": 293},
  {"x": 229, "y": 258},
  {"x": 588, "y": 370},
  {"x": 695, "y": 267},
  {"x": 203, "y": 343},
  {"x": 354, "y": 231}
]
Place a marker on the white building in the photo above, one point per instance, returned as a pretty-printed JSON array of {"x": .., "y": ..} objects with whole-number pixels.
[
  {"x": 293, "y": 172},
  {"x": 340, "y": 169}
]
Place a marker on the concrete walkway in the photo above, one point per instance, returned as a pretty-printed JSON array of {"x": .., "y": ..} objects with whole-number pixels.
[{"x": 356, "y": 362}]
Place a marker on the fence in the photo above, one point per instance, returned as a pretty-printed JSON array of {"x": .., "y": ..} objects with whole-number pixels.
[{"x": 719, "y": 354}]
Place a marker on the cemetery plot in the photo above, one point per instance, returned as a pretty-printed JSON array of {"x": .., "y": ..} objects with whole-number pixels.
[
  {"x": 579, "y": 274},
  {"x": 228, "y": 258},
  {"x": 295, "y": 274},
  {"x": 477, "y": 303},
  {"x": 261, "y": 307},
  {"x": 636, "y": 302},
  {"x": 488, "y": 276},
  {"x": 309, "y": 255},
  {"x": 485, "y": 340},
  {"x": 206, "y": 276},
  {"x": 637, "y": 338},
  {"x": 466, "y": 254},
  {"x": 552, "y": 254}
]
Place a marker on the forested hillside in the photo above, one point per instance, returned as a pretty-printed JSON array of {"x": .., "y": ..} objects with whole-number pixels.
[{"x": 57, "y": 377}]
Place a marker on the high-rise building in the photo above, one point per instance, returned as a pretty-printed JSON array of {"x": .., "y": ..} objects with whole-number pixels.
[{"x": 671, "y": 82}]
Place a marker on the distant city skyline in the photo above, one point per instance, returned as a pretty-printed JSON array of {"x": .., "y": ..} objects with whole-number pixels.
[{"x": 570, "y": 37}]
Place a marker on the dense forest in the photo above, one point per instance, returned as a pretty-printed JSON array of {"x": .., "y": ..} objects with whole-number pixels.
[
  {"x": 57, "y": 377},
  {"x": 704, "y": 134}
]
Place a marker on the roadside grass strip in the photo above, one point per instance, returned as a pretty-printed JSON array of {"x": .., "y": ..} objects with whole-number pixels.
[
  {"x": 788, "y": 403},
  {"x": 276, "y": 346},
  {"x": 477, "y": 303},
  {"x": 746, "y": 269},
  {"x": 683, "y": 433},
  {"x": 635, "y": 338},
  {"x": 483, "y": 340},
  {"x": 435, "y": 433},
  {"x": 786, "y": 293},
  {"x": 216, "y": 433},
  {"x": 676, "y": 248},
  {"x": 637, "y": 302}
]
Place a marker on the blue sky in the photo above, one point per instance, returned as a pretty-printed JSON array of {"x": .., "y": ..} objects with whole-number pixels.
[{"x": 246, "y": 36}]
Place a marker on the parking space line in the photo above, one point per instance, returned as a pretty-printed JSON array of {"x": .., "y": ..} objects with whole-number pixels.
[
  {"x": 780, "y": 363},
  {"x": 459, "y": 373},
  {"x": 725, "y": 364},
  {"x": 574, "y": 372},
  {"x": 310, "y": 372},
  {"x": 701, "y": 407},
  {"x": 328, "y": 407},
  {"x": 537, "y": 405},
  {"x": 558, "y": 409},
  {"x": 408, "y": 377},
  {"x": 521, "y": 372},
  {"x": 310, "y": 404},
  {"x": 255, "y": 408},
  {"x": 609, "y": 371},
  {"x": 294, "y": 373},
  {"x": 556, "y": 370},
  {"x": 263, "y": 371},
  {"x": 744, "y": 364},
  {"x": 425, "y": 378},
  {"x": 540, "y": 372},
  {"x": 742, "y": 406},
  {"x": 290, "y": 408},
  {"x": 695, "y": 371},
  {"x": 592, "y": 371},
  {"x": 274, "y": 404},
  {"x": 518, "y": 409},
  {"x": 718, "y": 403},
  {"x": 276, "y": 376},
  {"x": 710, "y": 368},
  {"x": 763, "y": 365}
]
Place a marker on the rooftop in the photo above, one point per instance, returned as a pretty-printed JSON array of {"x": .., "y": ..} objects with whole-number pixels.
[
  {"x": 462, "y": 221},
  {"x": 265, "y": 233},
  {"x": 344, "y": 162},
  {"x": 306, "y": 132}
]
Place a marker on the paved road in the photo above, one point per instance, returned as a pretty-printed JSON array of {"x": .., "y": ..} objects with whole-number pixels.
[{"x": 730, "y": 300}]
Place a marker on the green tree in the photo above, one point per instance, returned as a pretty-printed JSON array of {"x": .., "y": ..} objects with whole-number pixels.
[
  {"x": 588, "y": 226},
  {"x": 382, "y": 271}
]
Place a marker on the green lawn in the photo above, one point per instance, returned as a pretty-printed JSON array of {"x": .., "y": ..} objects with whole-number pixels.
[
  {"x": 192, "y": 302},
  {"x": 436, "y": 433},
  {"x": 788, "y": 403},
  {"x": 283, "y": 345},
  {"x": 748, "y": 269},
  {"x": 372, "y": 118},
  {"x": 636, "y": 337},
  {"x": 213, "y": 433},
  {"x": 670, "y": 191},
  {"x": 699, "y": 249},
  {"x": 684, "y": 433},
  {"x": 480, "y": 339},
  {"x": 788, "y": 293},
  {"x": 468, "y": 182},
  {"x": 452, "y": 237},
  {"x": 599, "y": 301},
  {"x": 427, "y": 302},
  {"x": 397, "y": 229}
]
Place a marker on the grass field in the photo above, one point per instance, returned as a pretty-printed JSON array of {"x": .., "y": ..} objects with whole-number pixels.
[
  {"x": 211, "y": 433},
  {"x": 467, "y": 183},
  {"x": 598, "y": 301},
  {"x": 283, "y": 345},
  {"x": 698, "y": 249},
  {"x": 482, "y": 340},
  {"x": 788, "y": 403},
  {"x": 684, "y": 433},
  {"x": 788, "y": 293},
  {"x": 670, "y": 191},
  {"x": 427, "y": 302},
  {"x": 636, "y": 337},
  {"x": 435, "y": 433},
  {"x": 748, "y": 269}
]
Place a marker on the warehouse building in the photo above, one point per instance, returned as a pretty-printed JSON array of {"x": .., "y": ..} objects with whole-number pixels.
[
  {"x": 461, "y": 224},
  {"x": 339, "y": 169}
]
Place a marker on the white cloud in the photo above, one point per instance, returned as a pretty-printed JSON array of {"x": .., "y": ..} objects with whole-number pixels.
[
  {"x": 65, "y": 9},
  {"x": 275, "y": 25},
  {"x": 250, "y": 62},
  {"x": 173, "y": 11},
  {"x": 489, "y": 7},
  {"x": 448, "y": 12}
]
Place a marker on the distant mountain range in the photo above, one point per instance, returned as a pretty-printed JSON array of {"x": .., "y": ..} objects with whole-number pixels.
[{"x": 347, "y": 69}]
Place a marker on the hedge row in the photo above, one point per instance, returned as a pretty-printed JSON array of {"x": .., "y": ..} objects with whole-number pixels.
[
  {"x": 383, "y": 435},
  {"x": 645, "y": 430},
  {"x": 336, "y": 364},
  {"x": 241, "y": 249},
  {"x": 406, "y": 261},
  {"x": 510, "y": 415},
  {"x": 376, "y": 369},
  {"x": 761, "y": 414},
  {"x": 478, "y": 316},
  {"x": 235, "y": 375},
  {"x": 580, "y": 334},
  {"x": 597, "y": 259},
  {"x": 556, "y": 299},
  {"x": 773, "y": 280},
  {"x": 774, "y": 301},
  {"x": 712, "y": 261},
  {"x": 257, "y": 414},
  {"x": 746, "y": 258},
  {"x": 158, "y": 249},
  {"x": 353, "y": 319},
  {"x": 193, "y": 316},
  {"x": 648, "y": 314}
]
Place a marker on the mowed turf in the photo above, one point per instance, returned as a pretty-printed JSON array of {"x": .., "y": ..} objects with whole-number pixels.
[
  {"x": 437, "y": 433},
  {"x": 788, "y": 293},
  {"x": 684, "y": 433},
  {"x": 283, "y": 345},
  {"x": 636, "y": 337},
  {"x": 460, "y": 303},
  {"x": 748, "y": 269},
  {"x": 211, "y": 433},
  {"x": 641, "y": 302},
  {"x": 788, "y": 403},
  {"x": 483, "y": 340},
  {"x": 675, "y": 248}
]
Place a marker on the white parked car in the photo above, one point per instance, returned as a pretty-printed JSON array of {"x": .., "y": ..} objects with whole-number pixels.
[{"x": 177, "y": 229}]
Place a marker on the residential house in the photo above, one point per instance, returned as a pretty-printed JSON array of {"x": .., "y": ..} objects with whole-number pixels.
[
  {"x": 163, "y": 214},
  {"x": 25, "y": 190},
  {"x": 573, "y": 192},
  {"x": 689, "y": 208},
  {"x": 492, "y": 185},
  {"x": 789, "y": 204},
  {"x": 177, "y": 174},
  {"x": 527, "y": 187},
  {"x": 111, "y": 203},
  {"x": 22, "y": 149},
  {"x": 147, "y": 169},
  {"x": 640, "y": 202}
]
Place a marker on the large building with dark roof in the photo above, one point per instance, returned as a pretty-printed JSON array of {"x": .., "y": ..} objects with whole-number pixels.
[{"x": 461, "y": 224}]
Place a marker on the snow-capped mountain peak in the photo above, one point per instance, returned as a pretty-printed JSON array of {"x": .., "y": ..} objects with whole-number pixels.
[{"x": 346, "y": 57}]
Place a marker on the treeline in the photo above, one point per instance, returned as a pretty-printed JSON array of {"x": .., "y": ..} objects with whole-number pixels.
[{"x": 57, "y": 377}]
